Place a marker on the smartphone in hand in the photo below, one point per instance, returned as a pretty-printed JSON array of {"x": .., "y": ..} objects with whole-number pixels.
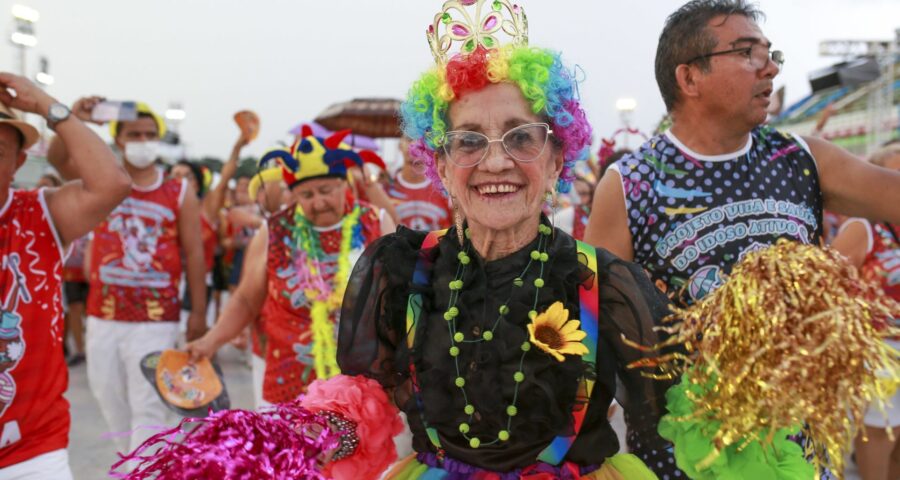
[{"x": 108, "y": 111}]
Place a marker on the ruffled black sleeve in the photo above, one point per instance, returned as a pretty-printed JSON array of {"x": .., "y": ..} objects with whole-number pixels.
[
  {"x": 631, "y": 307},
  {"x": 371, "y": 327}
]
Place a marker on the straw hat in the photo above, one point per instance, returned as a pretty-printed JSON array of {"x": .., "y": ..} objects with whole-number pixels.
[{"x": 30, "y": 134}]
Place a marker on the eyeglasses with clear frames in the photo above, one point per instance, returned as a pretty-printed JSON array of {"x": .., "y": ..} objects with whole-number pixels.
[
  {"x": 757, "y": 54},
  {"x": 524, "y": 144}
]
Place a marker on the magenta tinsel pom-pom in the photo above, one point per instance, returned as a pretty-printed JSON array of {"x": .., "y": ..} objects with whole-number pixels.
[{"x": 284, "y": 442}]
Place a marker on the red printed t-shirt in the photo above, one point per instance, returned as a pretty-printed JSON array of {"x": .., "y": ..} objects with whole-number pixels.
[
  {"x": 882, "y": 262},
  {"x": 136, "y": 257},
  {"x": 289, "y": 362},
  {"x": 579, "y": 224},
  {"x": 419, "y": 205},
  {"x": 34, "y": 415},
  {"x": 73, "y": 267}
]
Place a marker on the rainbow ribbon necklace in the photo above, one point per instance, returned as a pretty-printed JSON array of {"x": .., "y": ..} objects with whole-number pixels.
[{"x": 326, "y": 298}]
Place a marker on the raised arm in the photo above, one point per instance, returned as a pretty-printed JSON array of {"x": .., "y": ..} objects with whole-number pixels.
[
  {"x": 58, "y": 152},
  {"x": 78, "y": 206},
  {"x": 853, "y": 187},
  {"x": 608, "y": 225},
  {"x": 214, "y": 202},
  {"x": 244, "y": 305},
  {"x": 195, "y": 271}
]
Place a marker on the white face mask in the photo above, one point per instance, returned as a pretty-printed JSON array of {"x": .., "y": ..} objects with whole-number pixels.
[{"x": 141, "y": 154}]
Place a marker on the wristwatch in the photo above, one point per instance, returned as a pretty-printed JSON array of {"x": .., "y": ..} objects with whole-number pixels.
[{"x": 57, "y": 113}]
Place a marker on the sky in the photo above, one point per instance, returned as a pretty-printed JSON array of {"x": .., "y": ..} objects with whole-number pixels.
[{"x": 289, "y": 60}]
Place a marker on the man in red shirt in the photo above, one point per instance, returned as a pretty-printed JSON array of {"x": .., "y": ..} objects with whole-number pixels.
[
  {"x": 419, "y": 205},
  {"x": 35, "y": 229},
  {"x": 135, "y": 265}
]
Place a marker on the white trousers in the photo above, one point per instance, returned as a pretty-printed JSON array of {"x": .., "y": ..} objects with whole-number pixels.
[
  {"x": 127, "y": 400},
  {"x": 48, "y": 466},
  {"x": 258, "y": 370}
]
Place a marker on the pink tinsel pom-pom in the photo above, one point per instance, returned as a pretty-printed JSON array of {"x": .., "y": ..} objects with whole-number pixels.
[
  {"x": 281, "y": 443},
  {"x": 378, "y": 421}
]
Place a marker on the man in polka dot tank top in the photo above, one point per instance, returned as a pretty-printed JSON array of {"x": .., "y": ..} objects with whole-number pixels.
[{"x": 692, "y": 201}]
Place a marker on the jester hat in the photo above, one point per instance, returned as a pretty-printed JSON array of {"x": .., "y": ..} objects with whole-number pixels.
[
  {"x": 269, "y": 170},
  {"x": 312, "y": 157}
]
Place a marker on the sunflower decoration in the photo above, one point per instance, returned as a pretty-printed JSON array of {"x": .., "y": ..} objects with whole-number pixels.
[{"x": 554, "y": 333}]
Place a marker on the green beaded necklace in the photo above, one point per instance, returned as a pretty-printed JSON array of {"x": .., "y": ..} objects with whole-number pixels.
[{"x": 538, "y": 256}]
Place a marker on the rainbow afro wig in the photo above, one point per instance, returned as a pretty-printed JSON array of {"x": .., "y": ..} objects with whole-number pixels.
[{"x": 541, "y": 77}]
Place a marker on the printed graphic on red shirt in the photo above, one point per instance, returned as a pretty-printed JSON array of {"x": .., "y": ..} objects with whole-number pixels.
[
  {"x": 136, "y": 258},
  {"x": 12, "y": 345},
  {"x": 34, "y": 414},
  {"x": 420, "y": 206},
  {"x": 139, "y": 226}
]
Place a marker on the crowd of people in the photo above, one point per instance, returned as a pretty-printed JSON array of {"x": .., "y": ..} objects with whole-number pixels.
[{"x": 492, "y": 294}]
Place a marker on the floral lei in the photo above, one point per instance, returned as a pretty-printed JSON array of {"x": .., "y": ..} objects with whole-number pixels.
[{"x": 326, "y": 298}]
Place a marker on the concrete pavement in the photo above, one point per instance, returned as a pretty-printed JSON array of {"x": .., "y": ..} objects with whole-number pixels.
[{"x": 91, "y": 455}]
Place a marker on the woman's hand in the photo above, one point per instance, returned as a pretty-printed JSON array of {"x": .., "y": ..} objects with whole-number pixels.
[
  {"x": 314, "y": 431},
  {"x": 203, "y": 347}
]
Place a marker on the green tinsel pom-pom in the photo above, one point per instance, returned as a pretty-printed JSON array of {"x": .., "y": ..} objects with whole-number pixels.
[{"x": 695, "y": 454}]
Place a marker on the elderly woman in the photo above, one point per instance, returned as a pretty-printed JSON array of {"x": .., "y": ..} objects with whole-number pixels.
[
  {"x": 501, "y": 338},
  {"x": 297, "y": 267}
]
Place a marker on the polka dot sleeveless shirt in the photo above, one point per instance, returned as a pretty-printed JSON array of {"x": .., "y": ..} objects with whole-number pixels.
[{"x": 693, "y": 216}]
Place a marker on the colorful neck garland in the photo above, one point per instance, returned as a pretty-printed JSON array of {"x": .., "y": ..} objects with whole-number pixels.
[
  {"x": 457, "y": 338},
  {"x": 325, "y": 298}
]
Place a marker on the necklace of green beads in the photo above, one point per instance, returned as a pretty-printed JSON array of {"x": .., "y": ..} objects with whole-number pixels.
[{"x": 538, "y": 259}]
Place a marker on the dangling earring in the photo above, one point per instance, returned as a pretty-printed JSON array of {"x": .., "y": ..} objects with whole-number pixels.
[
  {"x": 457, "y": 219},
  {"x": 552, "y": 202}
]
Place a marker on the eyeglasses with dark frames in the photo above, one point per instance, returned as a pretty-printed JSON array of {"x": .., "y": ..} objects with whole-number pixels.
[{"x": 758, "y": 55}]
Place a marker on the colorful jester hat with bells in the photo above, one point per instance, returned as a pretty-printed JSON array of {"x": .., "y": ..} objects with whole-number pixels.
[
  {"x": 312, "y": 157},
  {"x": 269, "y": 170}
]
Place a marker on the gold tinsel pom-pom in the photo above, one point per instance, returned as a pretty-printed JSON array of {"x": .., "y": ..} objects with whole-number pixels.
[{"x": 794, "y": 337}]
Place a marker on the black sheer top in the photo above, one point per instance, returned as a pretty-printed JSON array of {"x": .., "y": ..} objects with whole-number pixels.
[{"x": 372, "y": 342}]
